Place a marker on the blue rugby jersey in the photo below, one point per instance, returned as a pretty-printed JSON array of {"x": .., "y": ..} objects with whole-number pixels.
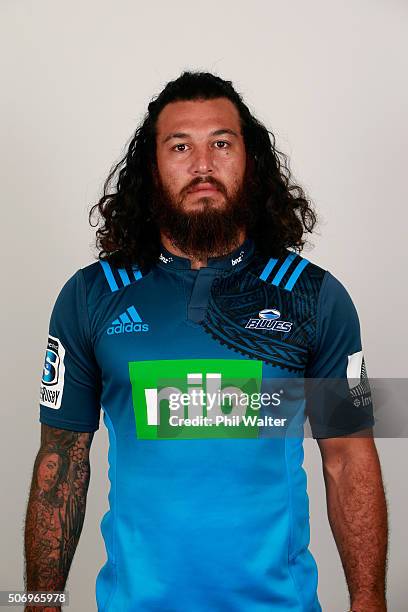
[{"x": 212, "y": 515}]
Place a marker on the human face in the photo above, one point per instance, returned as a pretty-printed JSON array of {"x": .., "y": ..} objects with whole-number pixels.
[
  {"x": 48, "y": 471},
  {"x": 200, "y": 152},
  {"x": 202, "y": 184}
]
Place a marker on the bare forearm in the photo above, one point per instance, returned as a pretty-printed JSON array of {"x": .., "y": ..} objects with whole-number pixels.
[
  {"x": 56, "y": 508},
  {"x": 358, "y": 518}
]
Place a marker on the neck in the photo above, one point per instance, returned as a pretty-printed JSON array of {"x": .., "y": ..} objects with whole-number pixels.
[{"x": 195, "y": 262}]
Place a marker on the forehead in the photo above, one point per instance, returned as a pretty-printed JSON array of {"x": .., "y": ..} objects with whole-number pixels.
[{"x": 198, "y": 115}]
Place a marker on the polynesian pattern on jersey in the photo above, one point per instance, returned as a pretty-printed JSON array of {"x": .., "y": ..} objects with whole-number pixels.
[{"x": 239, "y": 296}]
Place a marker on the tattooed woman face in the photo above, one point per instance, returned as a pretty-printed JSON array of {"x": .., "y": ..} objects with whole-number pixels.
[{"x": 47, "y": 474}]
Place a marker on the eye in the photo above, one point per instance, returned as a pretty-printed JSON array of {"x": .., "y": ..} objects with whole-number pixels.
[
  {"x": 178, "y": 149},
  {"x": 221, "y": 144}
]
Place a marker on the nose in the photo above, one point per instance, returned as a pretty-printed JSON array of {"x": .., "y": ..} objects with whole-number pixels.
[{"x": 202, "y": 161}]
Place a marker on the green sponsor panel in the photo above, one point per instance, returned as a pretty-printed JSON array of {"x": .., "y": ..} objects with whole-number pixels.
[{"x": 211, "y": 394}]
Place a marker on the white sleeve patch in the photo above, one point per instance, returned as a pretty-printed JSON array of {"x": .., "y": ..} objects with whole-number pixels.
[
  {"x": 52, "y": 382},
  {"x": 354, "y": 368}
]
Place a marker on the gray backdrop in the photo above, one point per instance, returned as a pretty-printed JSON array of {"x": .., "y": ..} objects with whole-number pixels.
[{"x": 326, "y": 76}]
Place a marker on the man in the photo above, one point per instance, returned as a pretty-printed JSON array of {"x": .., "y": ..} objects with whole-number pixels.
[{"x": 200, "y": 293}]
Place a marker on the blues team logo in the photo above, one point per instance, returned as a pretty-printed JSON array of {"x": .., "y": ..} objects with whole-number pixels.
[
  {"x": 52, "y": 381},
  {"x": 269, "y": 313},
  {"x": 269, "y": 318}
]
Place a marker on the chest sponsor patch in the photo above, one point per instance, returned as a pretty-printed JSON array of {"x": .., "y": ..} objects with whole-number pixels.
[{"x": 203, "y": 398}]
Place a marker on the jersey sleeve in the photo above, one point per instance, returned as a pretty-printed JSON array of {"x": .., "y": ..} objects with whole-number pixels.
[
  {"x": 71, "y": 381},
  {"x": 338, "y": 396}
]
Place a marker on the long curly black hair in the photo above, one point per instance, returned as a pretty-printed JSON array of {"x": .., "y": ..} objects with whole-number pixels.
[{"x": 128, "y": 234}]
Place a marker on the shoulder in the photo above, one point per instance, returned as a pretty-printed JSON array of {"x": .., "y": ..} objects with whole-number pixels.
[
  {"x": 291, "y": 271},
  {"x": 102, "y": 277},
  {"x": 91, "y": 283},
  {"x": 299, "y": 274}
]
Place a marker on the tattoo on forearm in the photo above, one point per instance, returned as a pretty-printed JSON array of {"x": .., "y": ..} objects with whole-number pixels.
[{"x": 56, "y": 507}]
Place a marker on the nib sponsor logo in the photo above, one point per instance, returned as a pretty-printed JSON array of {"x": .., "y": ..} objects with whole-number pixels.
[{"x": 128, "y": 322}]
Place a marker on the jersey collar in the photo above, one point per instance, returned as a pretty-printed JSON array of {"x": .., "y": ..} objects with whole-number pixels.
[{"x": 236, "y": 258}]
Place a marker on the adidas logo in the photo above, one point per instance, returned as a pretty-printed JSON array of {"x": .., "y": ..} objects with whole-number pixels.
[{"x": 127, "y": 322}]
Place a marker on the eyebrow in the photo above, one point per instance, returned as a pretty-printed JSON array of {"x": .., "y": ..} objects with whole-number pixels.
[{"x": 215, "y": 133}]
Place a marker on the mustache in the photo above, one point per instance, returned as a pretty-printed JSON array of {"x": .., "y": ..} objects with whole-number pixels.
[{"x": 205, "y": 179}]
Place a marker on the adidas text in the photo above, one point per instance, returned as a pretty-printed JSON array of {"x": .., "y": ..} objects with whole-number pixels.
[{"x": 124, "y": 328}]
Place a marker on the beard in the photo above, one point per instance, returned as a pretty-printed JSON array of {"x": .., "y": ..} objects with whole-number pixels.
[{"x": 211, "y": 230}]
